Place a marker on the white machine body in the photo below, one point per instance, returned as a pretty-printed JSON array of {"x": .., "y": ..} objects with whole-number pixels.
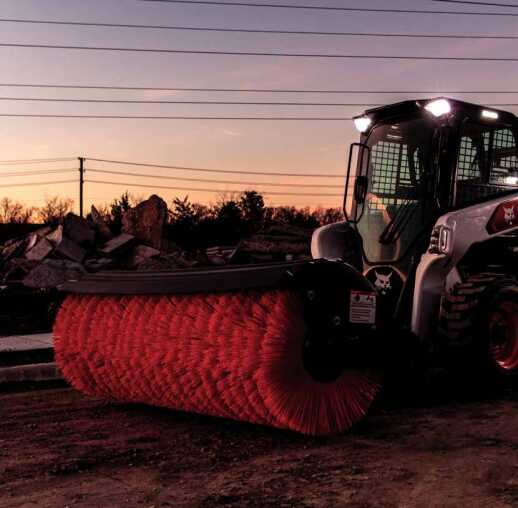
[{"x": 454, "y": 233}]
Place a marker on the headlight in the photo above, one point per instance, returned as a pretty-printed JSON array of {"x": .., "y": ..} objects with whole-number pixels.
[
  {"x": 440, "y": 241},
  {"x": 438, "y": 107},
  {"x": 362, "y": 123},
  {"x": 491, "y": 115}
]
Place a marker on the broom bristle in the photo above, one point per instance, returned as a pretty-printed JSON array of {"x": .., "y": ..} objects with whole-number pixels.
[{"x": 234, "y": 355}]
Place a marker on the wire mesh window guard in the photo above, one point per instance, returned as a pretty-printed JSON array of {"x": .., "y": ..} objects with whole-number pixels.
[
  {"x": 487, "y": 162},
  {"x": 393, "y": 211}
]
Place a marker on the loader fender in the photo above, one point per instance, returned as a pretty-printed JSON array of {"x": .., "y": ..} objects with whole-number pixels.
[
  {"x": 454, "y": 233},
  {"x": 338, "y": 241}
]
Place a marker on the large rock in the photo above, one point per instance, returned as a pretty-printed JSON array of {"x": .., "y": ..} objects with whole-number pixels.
[
  {"x": 16, "y": 269},
  {"x": 13, "y": 249},
  {"x": 79, "y": 230},
  {"x": 118, "y": 244},
  {"x": 64, "y": 247},
  {"x": 40, "y": 251},
  {"x": 55, "y": 236},
  {"x": 100, "y": 224},
  {"x": 52, "y": 273},
  {"x": 31, "y": 241},
  {"x": 16, "y": 247},
  {"x": 146, "y": 221}
]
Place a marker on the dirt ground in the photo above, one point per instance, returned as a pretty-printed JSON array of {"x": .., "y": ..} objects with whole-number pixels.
[{"x": 59, "y": 449}]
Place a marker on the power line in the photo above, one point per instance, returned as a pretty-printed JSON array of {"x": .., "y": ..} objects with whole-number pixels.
[
  {"x": 255, "y": 30},
  {"x": 330, "y": 8},
  {"x": 204, "y": 180},
  {"x": 206, "y": 170},
  {"x": 37, "y": 183},
  {"x": 37, "y": 173},
  {"x": 36, "y": 161},
  {"x": 131, "y": 117},
  {"x": 251, "y": 90},
  {"x": 210, "y": 190},
  {"x": 219, "y": 103},
  {"x": 269, "y": 54},
  {"x": 225, "y": 103},
  {"x": 23, "y": 200},
  {"x": 490, "y": 4}
]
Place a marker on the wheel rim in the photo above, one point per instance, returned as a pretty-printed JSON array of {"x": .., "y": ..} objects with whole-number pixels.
[{"x": 503, "y": 335}]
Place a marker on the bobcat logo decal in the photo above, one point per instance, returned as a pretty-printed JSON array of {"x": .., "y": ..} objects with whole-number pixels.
[
  {"x": 382, "y": 283},
  {"x": 509, "y": 215}
]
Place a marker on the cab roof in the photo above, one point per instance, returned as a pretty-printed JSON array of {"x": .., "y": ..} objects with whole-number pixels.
[{"x": 417, "y": 107}]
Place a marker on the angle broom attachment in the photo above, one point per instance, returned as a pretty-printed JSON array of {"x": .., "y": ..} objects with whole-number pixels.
[{"x": 239, "y": 355}]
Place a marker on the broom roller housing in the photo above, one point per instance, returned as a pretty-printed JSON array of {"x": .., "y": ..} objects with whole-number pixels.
[{"x": 424, "y": 263}]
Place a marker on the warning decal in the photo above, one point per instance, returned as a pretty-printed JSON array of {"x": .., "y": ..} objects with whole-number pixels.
[{"x": 362, "y": 308}]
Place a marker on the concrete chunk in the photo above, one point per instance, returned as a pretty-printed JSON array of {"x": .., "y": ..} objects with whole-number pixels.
[
  {"x": 56, "y": 236},
  {"x": 64, "y": 247},
  {"x": 100, "y": 224},
  {"x": 13, "y": 250},
  {"x": 40, "y": 251},
  {"x": 79, "y": 230},
  {"x": 31, "y": 241},
  {"x": 140, "y": 254},
  {"x": 16, "y": 269},
  {"x": 118, "y": 244},
  {"x": 52, "y": 272},
  {"x": 34, "y": 372},
  {"x": 70, "y": 250},
  {"x": 146, "y": 221}
]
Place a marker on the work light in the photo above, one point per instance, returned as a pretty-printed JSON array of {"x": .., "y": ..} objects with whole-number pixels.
[
  {"x": 362, "y": 123},
  {"x": 438, "y": 107}
]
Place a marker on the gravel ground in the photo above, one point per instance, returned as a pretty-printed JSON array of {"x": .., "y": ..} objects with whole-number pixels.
[{"x": 58, "y": 448}]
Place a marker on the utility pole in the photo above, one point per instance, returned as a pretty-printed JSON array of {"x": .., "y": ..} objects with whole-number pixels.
[{"x": 81, "y": 184}]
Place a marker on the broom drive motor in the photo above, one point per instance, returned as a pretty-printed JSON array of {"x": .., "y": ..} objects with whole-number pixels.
[{"x": 427, "y": 251}]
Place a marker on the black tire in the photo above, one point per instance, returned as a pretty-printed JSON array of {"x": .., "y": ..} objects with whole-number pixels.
[{"x": 478, "y": 326}]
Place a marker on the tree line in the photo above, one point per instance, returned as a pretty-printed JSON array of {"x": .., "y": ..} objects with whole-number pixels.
[{"x": 190, "y": 224}]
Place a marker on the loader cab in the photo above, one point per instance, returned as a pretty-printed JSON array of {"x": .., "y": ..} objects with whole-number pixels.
[{"x": 417, "y": 160}]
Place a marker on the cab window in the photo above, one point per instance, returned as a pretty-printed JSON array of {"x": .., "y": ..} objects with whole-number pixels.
[{"x": 487, "y": 162}]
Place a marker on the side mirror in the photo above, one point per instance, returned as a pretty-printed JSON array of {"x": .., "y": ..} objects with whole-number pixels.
[{"x": 360, "y": 189}]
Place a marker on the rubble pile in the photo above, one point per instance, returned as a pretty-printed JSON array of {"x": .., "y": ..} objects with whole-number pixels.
[
  {"x": 276, "y": 243},
  {"x": 49, "y": 256}
]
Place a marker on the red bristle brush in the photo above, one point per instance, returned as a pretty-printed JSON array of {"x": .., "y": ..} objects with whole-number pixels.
[{"x": 233, "y": 355}]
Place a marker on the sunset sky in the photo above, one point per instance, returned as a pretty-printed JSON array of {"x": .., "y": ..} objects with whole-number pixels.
[{"x": 304, "y": 147}]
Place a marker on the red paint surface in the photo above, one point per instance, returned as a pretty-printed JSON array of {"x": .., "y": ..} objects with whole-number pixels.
[
  {"x": 504, "y": 217},
  {"x": 228, "y": 355}
]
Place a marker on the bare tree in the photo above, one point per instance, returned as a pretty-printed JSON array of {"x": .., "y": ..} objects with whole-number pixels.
[
  {"x": 136, "y": 199},
  {"x": 54, "y": 210},
  {"x": 14, "y": 212}
]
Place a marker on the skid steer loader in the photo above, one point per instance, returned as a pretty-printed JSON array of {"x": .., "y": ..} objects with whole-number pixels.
[{"x": 428, "y": 251}]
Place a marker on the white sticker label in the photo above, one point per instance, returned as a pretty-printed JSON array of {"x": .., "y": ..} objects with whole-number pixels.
[{"x": 362, "y": 308}]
